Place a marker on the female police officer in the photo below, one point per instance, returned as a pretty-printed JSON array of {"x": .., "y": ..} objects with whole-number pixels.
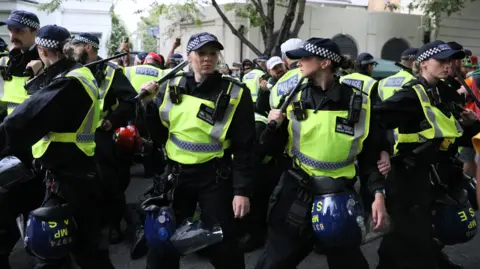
[
  {"x": 203, "y": 118},
  {"x": 317, "y": 131},
  {"x": 422, "y": 113}
]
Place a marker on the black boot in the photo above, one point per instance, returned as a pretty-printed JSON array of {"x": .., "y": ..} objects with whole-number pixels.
[{"x": 444, "y": 262}]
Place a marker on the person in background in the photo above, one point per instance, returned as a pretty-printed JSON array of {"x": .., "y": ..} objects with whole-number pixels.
[
  {"x": 262, "y": 62},
  {"x": 276, "y": 69},
  {"x": 247, "y": 66},
  {"x": 224, "y": 69},
  {"x": 140, "y": 58},
  {"x": 175, "y": 60},
  {"x": 155, "y": 60},
  {"x": 348, "y": 66},
  {"x": 288, "y": 81},
  {"x": 171, "y": 54}
]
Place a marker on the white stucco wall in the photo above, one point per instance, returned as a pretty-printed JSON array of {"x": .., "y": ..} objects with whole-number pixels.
[
  {"x": 369, "y": 30},
  {"x": 77, "y": 16}
]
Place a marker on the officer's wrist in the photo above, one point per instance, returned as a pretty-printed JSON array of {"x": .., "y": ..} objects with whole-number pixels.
[{"x": 380, "y": 193}]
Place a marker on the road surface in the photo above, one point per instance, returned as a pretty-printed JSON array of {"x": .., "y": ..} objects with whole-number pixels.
[{"x": 466, "y": 254}]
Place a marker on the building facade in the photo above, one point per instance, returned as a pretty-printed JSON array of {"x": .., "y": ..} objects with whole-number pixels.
[{"x": 77, "y": 16}]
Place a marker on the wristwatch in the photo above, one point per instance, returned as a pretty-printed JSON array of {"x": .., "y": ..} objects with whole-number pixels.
[{"x": 382, "y": 191}]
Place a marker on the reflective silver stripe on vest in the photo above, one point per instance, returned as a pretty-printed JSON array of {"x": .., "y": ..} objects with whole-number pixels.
[
  {"x": 87, "y": 134},
  {"x": 380, "y": 89},
  {"x": 217, "y": 128},
  {"x": 4, "y": 61},
  {"x": 3, "y": 64},
  {"x": 369, "y": 85},
  {"x": 106, "y": 82},
  {"x": 128, "y": 73},
  {"x": 359, "y": 131},
  {"x": 430, "y": 114}
]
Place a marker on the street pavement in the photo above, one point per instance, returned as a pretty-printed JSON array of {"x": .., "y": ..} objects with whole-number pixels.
[{"x": 467, "y": 254}]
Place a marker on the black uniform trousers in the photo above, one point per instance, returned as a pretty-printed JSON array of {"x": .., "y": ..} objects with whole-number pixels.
[
  {"x": 409, "y": 199},
  {"x": 255, "y": 222},
  {"x": 84, "y": 196},
  {"x": 114, "y": 197},
  {"x": 285, "y": 250},
  {"x": 215, "y": 196}
]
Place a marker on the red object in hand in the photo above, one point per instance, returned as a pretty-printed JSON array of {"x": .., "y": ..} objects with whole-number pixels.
[{"x": 128, "y": 138}]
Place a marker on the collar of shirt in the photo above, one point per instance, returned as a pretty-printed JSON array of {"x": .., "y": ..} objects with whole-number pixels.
[
  {"x": 333, "y": 93},
  {"x": 60, "y": 67},
  {"x": 211, "y": 82}
]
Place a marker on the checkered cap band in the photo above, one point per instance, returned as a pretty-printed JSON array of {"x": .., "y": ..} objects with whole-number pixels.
[
  {"x": 322, "y": 52},
  {"x": 86, "y": 41},
  {"x": 25, "y": 21},
  {"x": 432, "y": 52},
  {"x": 47, "y": 43},
  {"x": 200, "y": 39}
]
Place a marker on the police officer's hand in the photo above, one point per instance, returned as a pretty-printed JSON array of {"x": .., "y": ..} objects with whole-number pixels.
[
  {"x": 36, "y": 66},
  {"x": 241, "y": 206},
  {"x": 383, "y": 163},
  {"x": 379, "y": 212},
  {"x": 276, "y": 115},
  {"x": 151, "y": 87},
  {"x": 468, "y": 117}
]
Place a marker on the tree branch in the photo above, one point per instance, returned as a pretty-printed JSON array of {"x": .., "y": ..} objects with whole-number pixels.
[
  {"x": 300, "y": 14},
  {"x": 234, "y": 31},
  {"x": 258, "y": 4},
  {"x": 269, "y": 26},
  {"x": 284, "y": 30}
]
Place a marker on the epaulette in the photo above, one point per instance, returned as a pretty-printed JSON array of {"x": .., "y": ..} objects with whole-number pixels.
[
  {"x": 234, "y": 81},
  {"x": 411, "y": 83}
]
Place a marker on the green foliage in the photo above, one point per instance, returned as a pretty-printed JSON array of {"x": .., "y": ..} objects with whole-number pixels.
[
  {"x": 437, "y": 8},
  {"x": 247, "y": 11},
  {"x": 119, "y": 31},
  {"x": 51, "y": 6},
  {"x": 149, "y": 43},
  {"x": 190, "y": 11}
]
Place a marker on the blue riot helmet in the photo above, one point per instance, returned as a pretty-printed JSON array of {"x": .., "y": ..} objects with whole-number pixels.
[
  {"x": 337, "y": 219},
  {"x": 454, "y": 219},
  {"x": 50, "y": 233},
  {"x": 159, "y": 223}
]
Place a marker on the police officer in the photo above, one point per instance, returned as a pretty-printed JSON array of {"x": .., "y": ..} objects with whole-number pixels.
[
  {"x": 252, "y": 79},
  {"x": 276, "y": 69},
  {"x": 422, "y": 112},
  {"x": 208, "y": 118},
  {"x": 388, "y": 86},
  {"x": 310, "y": 146},
  {"x": 288, "y": 81},
  {"x": 362, "y": 77},
  {"x": 150, "y": 70},
  {"x": 116, "y": 110},
  {"x": 22, "y": 198},
  {"x": 62, "y": 116}
]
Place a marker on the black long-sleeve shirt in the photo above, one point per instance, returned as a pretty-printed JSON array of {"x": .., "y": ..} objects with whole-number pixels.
[
  {"x": 60, "y": 106},
  {"x": 241, "y": 132},
  {"x": 120, "y": 90},
  {"x": 404, "y": 111},
  {"x": 334, "y": 99}
]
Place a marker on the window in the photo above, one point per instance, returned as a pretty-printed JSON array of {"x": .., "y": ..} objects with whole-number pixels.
[
  {"x": 347, "y": 45},
  {"x": 393, "y": 48}
]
